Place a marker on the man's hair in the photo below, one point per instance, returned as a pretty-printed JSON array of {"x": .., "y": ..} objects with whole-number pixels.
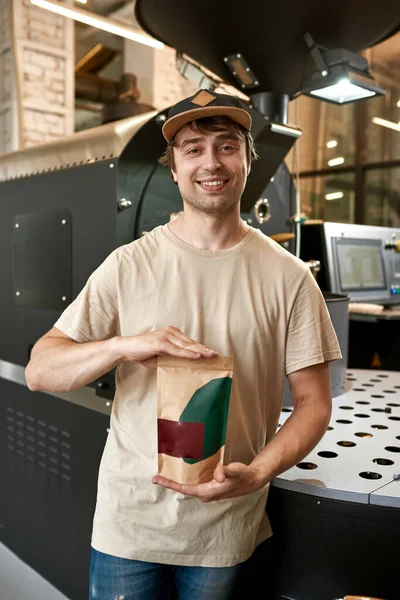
[{"x": 213, "y": 124}]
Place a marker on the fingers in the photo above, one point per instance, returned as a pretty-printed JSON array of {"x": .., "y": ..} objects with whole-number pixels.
[{"x": 186, "y": 345}]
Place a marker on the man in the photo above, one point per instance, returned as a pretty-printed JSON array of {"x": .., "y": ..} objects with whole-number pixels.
[{"x": 202, "y": 285}]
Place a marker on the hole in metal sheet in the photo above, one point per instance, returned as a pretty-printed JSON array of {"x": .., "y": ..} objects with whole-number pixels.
[
  {"x": 375, "y": 380},
  {"x": 383, "y": 461},
  {"x": 392, "y": 448},
  {"x": 327, "y": 454},
  {"x": 346, "y": 444},
  {"x": 345, "y": 421},
  {"x": 358, "y": 390},
  {"x": 389, "y": 392},
  {"x": 306, "y": 465},
  {"x": 392, "y": 404},
  {"x": 378, "y": 409},
  {"x": 286, "y": 410},
  {"x": 362, "y": 416},
  {"x": 367, "y": 384},
  {"x": 329, "y": 428},
  {"x": 362, "y": 402},
  {"x": 394, "y": 418},
  {"x": 347, "y": 407},
  {"x": 370, "y": 475},
  {"x": 363, "y": 434},
  {"x": 379, "y": 426},
  {"x": 377, "y": 396},
  {"x": 382, "y": 375}
]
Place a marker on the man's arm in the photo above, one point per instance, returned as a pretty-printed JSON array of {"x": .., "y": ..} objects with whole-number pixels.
[
  {"x": 312, "y": 403},
  {"x": 60, "y": 364}
]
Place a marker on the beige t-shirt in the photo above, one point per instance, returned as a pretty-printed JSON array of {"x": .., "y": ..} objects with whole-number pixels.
[{"x": 255, "y": 302}]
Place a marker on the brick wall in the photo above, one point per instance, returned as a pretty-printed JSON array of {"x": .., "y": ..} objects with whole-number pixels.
[{"x": 169, "y": 85}]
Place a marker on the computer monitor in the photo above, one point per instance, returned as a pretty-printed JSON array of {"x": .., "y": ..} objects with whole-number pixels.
[{"x": 360, "y": 264}]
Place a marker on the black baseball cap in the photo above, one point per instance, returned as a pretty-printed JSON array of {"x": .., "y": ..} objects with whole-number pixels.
[{"x": 205, "y": 103}]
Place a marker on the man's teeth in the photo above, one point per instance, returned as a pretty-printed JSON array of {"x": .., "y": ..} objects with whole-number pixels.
[{"x": 212, "y": 183}]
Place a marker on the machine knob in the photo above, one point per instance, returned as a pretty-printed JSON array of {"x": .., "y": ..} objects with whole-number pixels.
[
  {"x": 123, "y": 204},
  {"x": 395, "y": 245}
]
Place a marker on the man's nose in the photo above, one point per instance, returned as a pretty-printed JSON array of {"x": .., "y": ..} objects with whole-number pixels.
[{"x": 212, "y": 159}]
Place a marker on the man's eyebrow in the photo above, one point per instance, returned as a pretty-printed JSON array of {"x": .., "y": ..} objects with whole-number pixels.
[
  {"x": 221, "y": 136},
  {"x": 190, "y": 141}
]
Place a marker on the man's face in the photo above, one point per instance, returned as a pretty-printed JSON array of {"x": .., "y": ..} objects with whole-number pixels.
[{"x": 210, "y": 169}]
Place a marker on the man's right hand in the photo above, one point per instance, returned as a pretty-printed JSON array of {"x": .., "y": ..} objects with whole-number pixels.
[{"x": 145, "y": 348}]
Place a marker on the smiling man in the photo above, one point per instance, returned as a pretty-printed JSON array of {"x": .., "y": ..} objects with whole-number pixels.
[{"x": 204, "y": 284}]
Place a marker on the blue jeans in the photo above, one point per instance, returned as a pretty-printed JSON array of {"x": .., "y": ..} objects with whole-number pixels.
[{"x": 113, "y": 578}]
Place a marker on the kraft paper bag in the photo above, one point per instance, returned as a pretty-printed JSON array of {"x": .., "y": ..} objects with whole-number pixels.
[{"x": 193, "y": 406}]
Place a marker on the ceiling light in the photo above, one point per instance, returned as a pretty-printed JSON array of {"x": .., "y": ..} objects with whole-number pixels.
[
  {"x": 339, "y": 160},
  {"x": 385, "y": 123},
  {"x": 340, "y": 76},
  {"x": 398, "y": 103},
  {"x": 98, "y": 21},
  {"x": 334, "y": 196},
  {"x": 331, "y": 144},
  {"x": 81, "y": 1}
]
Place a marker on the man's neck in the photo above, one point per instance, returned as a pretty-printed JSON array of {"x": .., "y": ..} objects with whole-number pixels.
[{"x": 209, "y": 232}]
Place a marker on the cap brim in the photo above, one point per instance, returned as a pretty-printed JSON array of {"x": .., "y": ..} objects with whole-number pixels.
[{"x": 174, "y": 124}]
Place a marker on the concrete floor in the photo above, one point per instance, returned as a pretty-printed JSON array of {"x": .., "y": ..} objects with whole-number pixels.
[{"x": 18, "y": 581}]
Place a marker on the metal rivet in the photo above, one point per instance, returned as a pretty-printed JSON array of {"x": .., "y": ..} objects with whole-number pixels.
[
  {"x": 17, "y": 293},
  {"x": 16, "y": 225},
  {"x": 111, "y": 165},
  {"x": 108, "y": 403},
  {"x": 63, "y": 222},
  {"x": 64, "y": 298}
]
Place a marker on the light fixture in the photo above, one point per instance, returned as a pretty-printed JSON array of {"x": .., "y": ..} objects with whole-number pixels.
[
  {"x": 88, "y": 18},
  {"x": 339, "y": 160},
  {"x": 398, "y": 103},
  {"x": 331, "y": 144},
  {"x": 334, "y": 196},
  {"x": 340, "y": 76},
  {"x": 385, "y": 123}
]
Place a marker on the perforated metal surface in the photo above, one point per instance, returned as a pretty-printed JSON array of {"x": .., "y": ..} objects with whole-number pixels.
[{"x": 359, "y": 456}]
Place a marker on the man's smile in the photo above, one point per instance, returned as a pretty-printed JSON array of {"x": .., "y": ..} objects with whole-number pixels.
[{"x": 214, "y": 184}]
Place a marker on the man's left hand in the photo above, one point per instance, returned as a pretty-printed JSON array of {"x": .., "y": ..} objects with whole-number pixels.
[{"x": 230, "y": 481}]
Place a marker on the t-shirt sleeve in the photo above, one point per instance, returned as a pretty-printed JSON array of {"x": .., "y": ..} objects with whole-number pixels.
[
  {"x": 93, "y": 315},
  {"x": 311, "y": 337}
]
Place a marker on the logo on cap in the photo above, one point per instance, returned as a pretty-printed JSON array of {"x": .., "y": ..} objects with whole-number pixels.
[{"x": 203, "y": 98}]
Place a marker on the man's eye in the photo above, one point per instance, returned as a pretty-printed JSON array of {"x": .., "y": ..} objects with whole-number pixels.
[
  {"x": 227, "y": 147},
  {"x": 193, "y": 151}
]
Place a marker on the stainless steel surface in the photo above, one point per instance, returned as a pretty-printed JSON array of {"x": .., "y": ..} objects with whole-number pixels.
[
  {"x": 88, "y": 146},
  {"x": 85, "y": 397},
  {"x": 372, "y": 437}
]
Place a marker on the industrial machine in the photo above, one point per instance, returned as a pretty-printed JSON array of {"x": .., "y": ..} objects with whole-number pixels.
[
  {"x": 66, "y": 205},
  {"x": 362, "y": 261}
]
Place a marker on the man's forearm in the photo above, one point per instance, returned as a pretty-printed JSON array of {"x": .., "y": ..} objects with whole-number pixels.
[
  {"x": 297, "y": 437},
  {"x": 61, "y": 365}
]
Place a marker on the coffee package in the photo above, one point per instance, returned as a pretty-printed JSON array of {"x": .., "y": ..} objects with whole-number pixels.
[{"x": 193, "y": 406}]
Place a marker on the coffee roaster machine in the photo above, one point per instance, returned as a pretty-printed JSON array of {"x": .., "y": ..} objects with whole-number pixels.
[{"x": 64, "y": 207}]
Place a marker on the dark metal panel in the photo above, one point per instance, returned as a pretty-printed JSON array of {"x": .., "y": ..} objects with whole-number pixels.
[
  {"x": 42, "y": 259},
  {"x": 323, "y": 549},
  {"x": 50, "y": 453},
  {"x": 89, "y": 194}
]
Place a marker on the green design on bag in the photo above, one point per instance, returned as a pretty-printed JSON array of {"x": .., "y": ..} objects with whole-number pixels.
[{"x": 210, "y": 405}]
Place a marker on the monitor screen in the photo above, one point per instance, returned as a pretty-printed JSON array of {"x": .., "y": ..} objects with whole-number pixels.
[{"x": 360, "y": 264}]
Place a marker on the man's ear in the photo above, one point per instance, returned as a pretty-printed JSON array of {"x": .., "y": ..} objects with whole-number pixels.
[{"x": 174, "y": 177}]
